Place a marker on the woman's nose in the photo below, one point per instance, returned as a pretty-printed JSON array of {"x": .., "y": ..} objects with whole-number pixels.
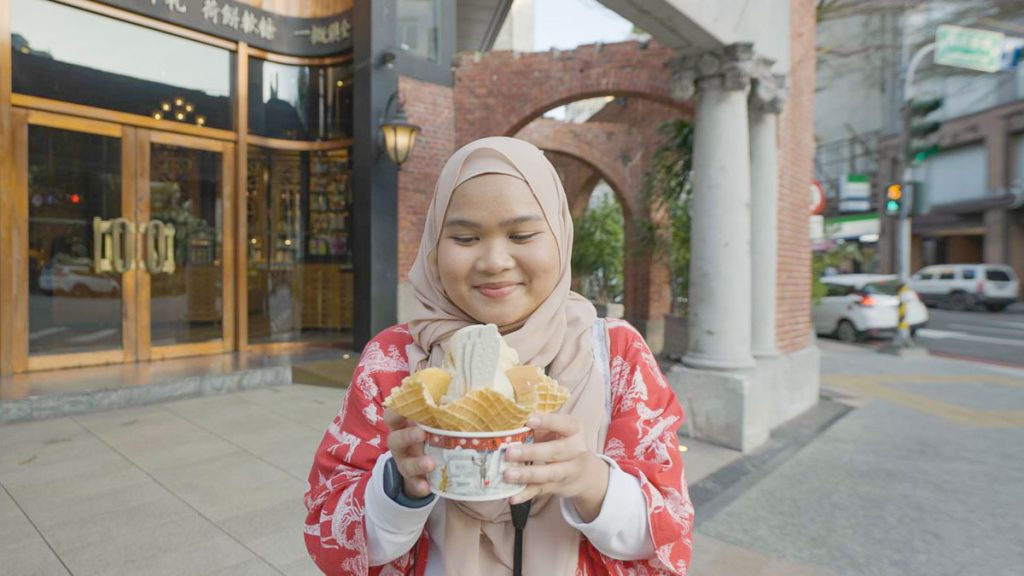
[{"x": 495, "y": 258}]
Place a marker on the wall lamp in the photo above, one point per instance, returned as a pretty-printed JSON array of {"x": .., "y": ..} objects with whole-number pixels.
[{"x": 398, "y": 134}]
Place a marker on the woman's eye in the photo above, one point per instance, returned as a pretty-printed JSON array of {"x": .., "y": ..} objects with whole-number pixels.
[
  {"x": 464, "y": 240},
  {"x": 523, "y": 237}
]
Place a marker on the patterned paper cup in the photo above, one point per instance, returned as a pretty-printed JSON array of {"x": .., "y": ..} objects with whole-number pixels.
[{"x": 470, "y": 466}]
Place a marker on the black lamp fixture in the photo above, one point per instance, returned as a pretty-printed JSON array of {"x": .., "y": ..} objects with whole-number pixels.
[{"x": 398, "y": 133}]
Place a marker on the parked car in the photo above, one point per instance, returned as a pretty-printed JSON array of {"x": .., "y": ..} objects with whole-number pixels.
[
  {"x": 76, "y": 279},
  {"x": 965, "y": 286},
  {"x": 857, "y": 306}
]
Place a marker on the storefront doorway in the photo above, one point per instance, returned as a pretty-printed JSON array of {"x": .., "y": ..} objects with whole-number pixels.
[{"x": 129, "y": 243}]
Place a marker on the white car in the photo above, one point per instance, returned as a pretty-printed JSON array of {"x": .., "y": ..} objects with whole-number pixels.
[
  {"x": 78, "y": 280},
  {"x": 964, "y": 286},
  {"x": 858, "y": 306}
]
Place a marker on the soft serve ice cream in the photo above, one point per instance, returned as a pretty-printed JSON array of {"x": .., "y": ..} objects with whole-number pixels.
[{"x": 478, "y": 357}]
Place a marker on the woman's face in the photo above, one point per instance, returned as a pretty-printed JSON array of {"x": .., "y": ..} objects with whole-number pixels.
[{"x": 497, "y": 257}]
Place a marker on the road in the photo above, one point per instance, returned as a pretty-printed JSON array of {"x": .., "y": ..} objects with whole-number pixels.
[
  {"x": 988, "y": 336},
  {"x": 996, "y": 337}
]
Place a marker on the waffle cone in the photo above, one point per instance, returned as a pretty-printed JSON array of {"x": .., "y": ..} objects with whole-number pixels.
[
  {"x": 482, "y": 410},
  {"x": 535, "y": 390},
  {"x": 418, "y": 397},
  {"x": 547, "y": 396}
]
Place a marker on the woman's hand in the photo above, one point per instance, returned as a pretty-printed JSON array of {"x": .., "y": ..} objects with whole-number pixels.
[
  {"x": 406, "y": 444},
  {"x": 569, "y": 469}
]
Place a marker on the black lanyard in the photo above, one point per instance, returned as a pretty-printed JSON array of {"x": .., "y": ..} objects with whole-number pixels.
[{"x": 520, "y": 514}]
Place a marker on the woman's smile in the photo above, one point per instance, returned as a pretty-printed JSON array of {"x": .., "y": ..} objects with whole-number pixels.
[{"x": 497, "y": 290}]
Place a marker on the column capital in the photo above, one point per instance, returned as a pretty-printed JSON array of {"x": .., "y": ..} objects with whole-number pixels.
[
  {"x": 768, "y": 91},
  {"x": 727, "y": 68}
]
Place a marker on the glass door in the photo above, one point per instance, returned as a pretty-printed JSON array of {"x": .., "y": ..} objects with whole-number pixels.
[
  {"x": 74, "y": 259},
  {"x": 128, "y": 251},
  {"x": 186, "y": 275}
]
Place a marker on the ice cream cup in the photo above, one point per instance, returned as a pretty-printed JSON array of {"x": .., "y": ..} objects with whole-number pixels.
[{"x": 470, "y": 466}]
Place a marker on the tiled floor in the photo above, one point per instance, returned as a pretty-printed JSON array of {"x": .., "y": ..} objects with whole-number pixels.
[{"x": 208, "y": 485}]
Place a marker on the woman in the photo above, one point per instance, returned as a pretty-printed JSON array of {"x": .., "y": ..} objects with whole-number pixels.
[{"x": 610, "y": 496}]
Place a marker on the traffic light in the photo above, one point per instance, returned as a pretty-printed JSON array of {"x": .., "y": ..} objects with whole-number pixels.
[
  {"x": 893, "y": 199},
  {"x": 919, "y": 128}
]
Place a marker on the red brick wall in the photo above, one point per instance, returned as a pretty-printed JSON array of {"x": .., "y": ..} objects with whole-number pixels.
[
  {"x": 433, "y": 108},
  {"x": 796, "y": 168},
  {"x": 500, "y": 92}
]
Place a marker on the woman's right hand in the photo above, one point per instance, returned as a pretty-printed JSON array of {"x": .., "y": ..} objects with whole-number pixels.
[{"x": 406, "y": 444}]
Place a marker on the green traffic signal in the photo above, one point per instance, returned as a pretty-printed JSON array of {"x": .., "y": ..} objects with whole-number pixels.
[{"x": 892, "y": 206}]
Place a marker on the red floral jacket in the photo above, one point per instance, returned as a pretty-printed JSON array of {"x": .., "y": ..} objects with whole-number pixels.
[{"x": 641, "y": 438}]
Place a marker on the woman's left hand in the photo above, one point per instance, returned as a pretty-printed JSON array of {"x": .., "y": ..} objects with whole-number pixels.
[{"x": 565, "y": 468}]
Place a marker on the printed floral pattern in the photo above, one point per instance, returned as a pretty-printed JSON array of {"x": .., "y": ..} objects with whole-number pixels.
[{"x": 641, "y": 439}]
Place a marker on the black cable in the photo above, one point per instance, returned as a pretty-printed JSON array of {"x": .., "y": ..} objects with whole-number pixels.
[{"x": 520, "y": 514}]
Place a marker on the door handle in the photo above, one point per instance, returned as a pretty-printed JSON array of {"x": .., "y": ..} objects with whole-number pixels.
[
  {"x": 159, "y": 247},
  {"x": 124, "y": 245},
  {"x": 102, "y": 245}
]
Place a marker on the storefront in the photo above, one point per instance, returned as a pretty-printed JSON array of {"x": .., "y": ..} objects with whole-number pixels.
[{"x": 177, "y": 181}]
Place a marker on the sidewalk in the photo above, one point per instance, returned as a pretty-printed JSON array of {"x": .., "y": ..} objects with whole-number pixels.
[
  {"x": 214, "y": 485},
  {"x": 204, "y": 486}
]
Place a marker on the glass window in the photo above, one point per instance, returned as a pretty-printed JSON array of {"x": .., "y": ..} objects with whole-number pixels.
[
  {"x": 63, "y": 53},
  {"x": 74, "y": 303},
  {"x": 186, "y": 298},
  {"x": 419, "y": 27},
  {"x": 300, "y": 102},
  {"x": 838, "y": 290},
  {"x": 891, "y": 287},
  {"x": 947, "y": 275},
  {"x": 997, "y": 275},
  {"x": 298, "y": 210},
  {"x": 968, "y": 273}
]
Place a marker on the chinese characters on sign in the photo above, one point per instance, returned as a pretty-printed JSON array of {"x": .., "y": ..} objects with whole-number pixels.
[
  {"x": 231, "y": 20},
  {"x": 334, "y": 32}
]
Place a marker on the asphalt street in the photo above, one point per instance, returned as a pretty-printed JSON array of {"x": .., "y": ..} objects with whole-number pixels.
[
  {"x": 975, "y": 335},
  {"x": 996, "y": 337}
]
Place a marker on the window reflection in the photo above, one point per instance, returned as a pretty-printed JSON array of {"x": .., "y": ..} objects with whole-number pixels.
[
  {"x": 419, "y": 27},
  {"x": 299, "y": 102},
  {"x": 64, "y": 53},
  {"x": 298, "y": 214},
  {"x": 73, "y": 178}
]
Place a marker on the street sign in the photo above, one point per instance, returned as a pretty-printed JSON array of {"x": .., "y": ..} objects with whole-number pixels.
[
  {"x": 970, "y": 48},
  {"x": 817, "y": 198}
]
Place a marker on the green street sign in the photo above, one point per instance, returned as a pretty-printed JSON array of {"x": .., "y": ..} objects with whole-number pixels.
[{"x": 970, "y": 48}]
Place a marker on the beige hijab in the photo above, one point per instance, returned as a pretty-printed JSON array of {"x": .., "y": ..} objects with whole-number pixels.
[{"x": 478, "y": 537}]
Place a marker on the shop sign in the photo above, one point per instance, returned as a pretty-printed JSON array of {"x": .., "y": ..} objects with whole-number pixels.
[{"x": 262, "y": 29}]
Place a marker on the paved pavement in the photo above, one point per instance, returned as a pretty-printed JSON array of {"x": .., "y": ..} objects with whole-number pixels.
[{"x": 924, "y": 477}]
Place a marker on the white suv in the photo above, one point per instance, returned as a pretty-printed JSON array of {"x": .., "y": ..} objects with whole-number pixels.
[{"x": 964, "y": 286}]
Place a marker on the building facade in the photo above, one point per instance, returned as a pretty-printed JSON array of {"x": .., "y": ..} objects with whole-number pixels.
[
  {"x": 966, "y": 204},
  {"x": 204, "y": 178}
]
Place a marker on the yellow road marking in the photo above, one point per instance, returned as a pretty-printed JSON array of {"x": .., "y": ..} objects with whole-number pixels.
[{"x": 874, "y": 387}]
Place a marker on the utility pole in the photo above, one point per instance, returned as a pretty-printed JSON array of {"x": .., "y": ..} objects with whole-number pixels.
[{"x": 901, "y": 196}]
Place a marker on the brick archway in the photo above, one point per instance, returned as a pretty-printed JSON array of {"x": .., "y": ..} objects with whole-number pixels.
[
  {"x": 594, "y": 144},
  {"x": 619, "y": 154},
  {"x": 499, "y": 93}
]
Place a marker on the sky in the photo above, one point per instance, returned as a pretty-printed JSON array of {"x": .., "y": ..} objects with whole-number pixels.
[{"x": 566, "y": 24}]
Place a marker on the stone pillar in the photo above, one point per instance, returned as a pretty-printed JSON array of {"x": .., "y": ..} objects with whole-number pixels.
[
  {"x": 719, "y": 307},
  {"x": 766, "y": 98},
  {"x": 716, "y": 383}
]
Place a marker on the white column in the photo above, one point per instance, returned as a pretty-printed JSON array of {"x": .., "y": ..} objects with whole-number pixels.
[
  {"x": 765, "y": 104},
  {"x": 720, "y": 289}
]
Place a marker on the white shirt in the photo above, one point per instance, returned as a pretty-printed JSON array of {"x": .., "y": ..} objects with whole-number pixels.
[{"x": 621, "y": 529}]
